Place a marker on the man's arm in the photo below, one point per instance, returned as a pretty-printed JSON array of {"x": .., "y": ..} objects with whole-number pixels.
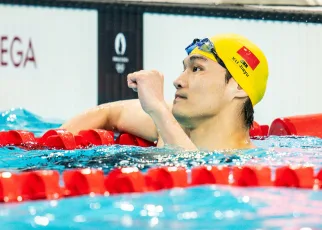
[
  {"x": 149, "y": 85},
  {"x": 170, "y": 131},
  {"x": 122, "y": 116}
]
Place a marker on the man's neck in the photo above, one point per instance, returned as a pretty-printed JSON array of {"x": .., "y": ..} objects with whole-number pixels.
[{"x": 223, "y": 131}]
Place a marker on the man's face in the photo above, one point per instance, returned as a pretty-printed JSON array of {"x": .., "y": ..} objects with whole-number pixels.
[{"x": 201, "y": 89}]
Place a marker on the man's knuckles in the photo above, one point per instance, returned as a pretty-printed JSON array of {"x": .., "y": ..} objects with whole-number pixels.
[{"x": 144, "y": 74}]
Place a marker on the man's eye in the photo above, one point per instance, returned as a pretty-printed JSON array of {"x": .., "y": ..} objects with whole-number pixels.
[{"x": 195, "y": 69}]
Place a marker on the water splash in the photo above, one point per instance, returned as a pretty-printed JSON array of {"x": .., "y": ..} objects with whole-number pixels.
[{"x": 19, "y": 118}]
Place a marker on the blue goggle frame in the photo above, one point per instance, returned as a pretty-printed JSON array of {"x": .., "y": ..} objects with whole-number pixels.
[{"x": 207, "y": 46}]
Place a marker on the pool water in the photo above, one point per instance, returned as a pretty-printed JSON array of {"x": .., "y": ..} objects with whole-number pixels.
[{"x": 200, "y": 207}]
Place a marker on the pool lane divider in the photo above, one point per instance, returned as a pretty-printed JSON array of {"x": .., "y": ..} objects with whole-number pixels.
[
  {"x": 63, "y": 140},
  {"x": 301, "y": 125},
  {"x": 45, "y": 184}
]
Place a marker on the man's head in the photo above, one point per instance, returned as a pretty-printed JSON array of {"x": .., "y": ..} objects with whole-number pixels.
[{"x": 225, "y": 71}]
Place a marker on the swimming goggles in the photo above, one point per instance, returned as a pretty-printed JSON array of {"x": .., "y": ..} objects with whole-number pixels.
[{"x": 207, "y": 46}]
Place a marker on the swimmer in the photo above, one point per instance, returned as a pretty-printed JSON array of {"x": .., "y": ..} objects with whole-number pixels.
[{"x": 223, "y": 78}]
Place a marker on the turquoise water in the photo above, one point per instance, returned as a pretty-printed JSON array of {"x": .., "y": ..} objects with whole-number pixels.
[{"x": 202, "y": 207}]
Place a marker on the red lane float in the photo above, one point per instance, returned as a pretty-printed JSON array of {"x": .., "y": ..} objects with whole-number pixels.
[
  {"x": 305, "y": 125},
  {"x": 3, "y": 138},
  {"x": 210, "y": 175},
  {"x": 264, "y": 129},
  {"x": 318, "y": 179},
  {"x": 258, "y": 130},
  {"x": 252, "y": 176},
  {"x": 58, "y": 139},
  {"x": 83, "y": 181},
  {"x": 255, "y": 130},
  {"x": 166, "y": 178},
  {"x": 128, "y": 139},
  {"x": 97, "y": 136},
  {"x": 9, "y": 187},
  {"x": 299, "y": 177},
  {"x": 44, "y": 184},
  {"x": 144, "y": 143},
  {"x": 125, "y": 180},
  {"x": 80, "y": 142},
  {"x": 17, "y": 138}
]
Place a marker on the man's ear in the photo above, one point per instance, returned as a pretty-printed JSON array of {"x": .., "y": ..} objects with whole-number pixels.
[
  {"x": 240, "y": 92},
  {"x": 236, "y": 90}
]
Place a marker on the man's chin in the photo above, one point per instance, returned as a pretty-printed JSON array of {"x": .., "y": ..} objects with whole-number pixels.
[{"x": 179, "y": 114}]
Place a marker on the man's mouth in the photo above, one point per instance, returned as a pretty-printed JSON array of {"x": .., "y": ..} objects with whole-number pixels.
[{"x": 179, "y": 96}]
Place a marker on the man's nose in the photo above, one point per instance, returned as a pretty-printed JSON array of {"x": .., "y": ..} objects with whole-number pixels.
[{"x": 180, "y": 82}]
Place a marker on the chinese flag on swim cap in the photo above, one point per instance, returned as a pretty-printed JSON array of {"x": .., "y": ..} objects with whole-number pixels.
[{"x": 249, "y": 57}]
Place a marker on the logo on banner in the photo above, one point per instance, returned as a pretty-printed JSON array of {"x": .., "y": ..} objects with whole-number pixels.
[
  {"x": 17, "y": 52},
  {"x": 120, "y": 44},
  {"x": 120, "y": 49}
]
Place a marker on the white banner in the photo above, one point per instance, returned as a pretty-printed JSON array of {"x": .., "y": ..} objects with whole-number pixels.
[
  {"x": 292, "y": 49},
  {"x": 48, "y": 60}
]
